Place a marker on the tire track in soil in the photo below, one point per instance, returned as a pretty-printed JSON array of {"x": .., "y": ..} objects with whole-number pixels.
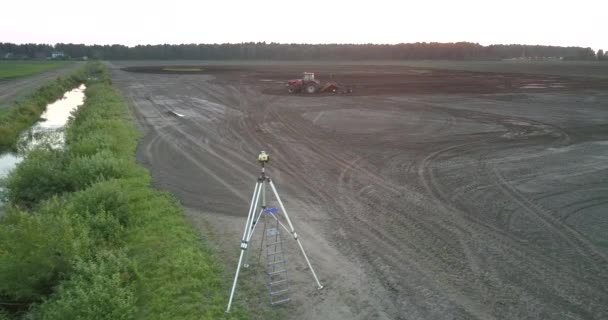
[
  {"x": 571, "y": 236},
  {"x": 173, "y": 138},
  {"x": 567, "y": 233},
  {"x": 428, "y": 181},
  {"x": 386, "y": 241},
  {"x": 476, "y": 229}
]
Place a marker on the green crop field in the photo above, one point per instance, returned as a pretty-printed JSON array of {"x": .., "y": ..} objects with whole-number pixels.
[{"x": 17, "y": 69}]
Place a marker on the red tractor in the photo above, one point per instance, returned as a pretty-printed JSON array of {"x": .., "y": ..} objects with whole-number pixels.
[{"x": 309, "y": 85}]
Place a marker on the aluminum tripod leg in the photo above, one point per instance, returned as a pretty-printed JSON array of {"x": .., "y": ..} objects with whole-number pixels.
[
  {"x": 244, "y": 241},
  {"x": 295, "y": 235},
  {"x": 255, "y": 220}
]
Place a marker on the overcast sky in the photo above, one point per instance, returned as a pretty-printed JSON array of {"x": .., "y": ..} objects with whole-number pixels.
[{"x": 556, "y": 22}]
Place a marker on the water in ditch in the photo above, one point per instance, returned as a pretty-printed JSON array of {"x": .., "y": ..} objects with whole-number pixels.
[{"x": 48, "y": 130}]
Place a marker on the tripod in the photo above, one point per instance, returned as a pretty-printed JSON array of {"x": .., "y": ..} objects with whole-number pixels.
[{"x": 253, "y": 218}]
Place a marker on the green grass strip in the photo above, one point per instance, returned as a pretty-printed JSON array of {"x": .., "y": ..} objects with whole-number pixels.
[{"x": 17, "y": 69}]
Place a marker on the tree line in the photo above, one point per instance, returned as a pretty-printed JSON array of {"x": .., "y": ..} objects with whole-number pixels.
[{"x": 283, "y": 51}]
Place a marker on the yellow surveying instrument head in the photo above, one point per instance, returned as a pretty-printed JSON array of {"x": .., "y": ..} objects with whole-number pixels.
[{"x": 263, "y": 157}]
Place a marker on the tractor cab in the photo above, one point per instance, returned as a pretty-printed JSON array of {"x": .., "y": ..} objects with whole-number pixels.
[{"x": 308, "y": 76}]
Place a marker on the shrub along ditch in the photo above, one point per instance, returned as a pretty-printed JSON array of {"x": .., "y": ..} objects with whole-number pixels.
[{"x": 86, "y": 237}]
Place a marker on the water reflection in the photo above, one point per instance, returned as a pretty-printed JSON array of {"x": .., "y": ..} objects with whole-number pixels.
[{"x": 50, "y": 129}]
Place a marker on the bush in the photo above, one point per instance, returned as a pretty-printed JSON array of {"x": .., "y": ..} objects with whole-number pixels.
[
  {"x": 3, "y": 315},
  {"x": 104, "y": 229},
  {"x": 114, "y": 197},
  {"x": 91, "y": 144},
  {"x": 177, "y": 278},
  {"x": 86, "y": 170},
  {"x": 47, "y": 172},
  {"x": 103, "y": 125},
  {"x": 100, "y": 288},
  {"x": 106, "y": 207},
  {"x": 40, "y": 176},
  {"x": 37, "y": 250}
]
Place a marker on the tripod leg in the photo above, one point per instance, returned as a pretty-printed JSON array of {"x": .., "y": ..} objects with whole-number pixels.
[
  {"x": 256, "y": 219},
  {"x": 256, "y": 223},
  {"x": 295, "y": 235},
  {"x": 252, "y": 207}
]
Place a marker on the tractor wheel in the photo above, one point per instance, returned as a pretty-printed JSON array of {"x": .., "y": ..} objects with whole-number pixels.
[
  {"x": 312, "y": 88},
  {"x": 292, "y": 89}
]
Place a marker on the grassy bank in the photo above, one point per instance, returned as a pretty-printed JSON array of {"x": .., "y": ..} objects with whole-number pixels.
[
  {"x": 23, "y": 114},
  {"x": 86, "y": 237},
  {"x": 11, "y": 69}
]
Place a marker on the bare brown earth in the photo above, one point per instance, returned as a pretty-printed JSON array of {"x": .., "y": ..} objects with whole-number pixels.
[{"x": 426, "y": 194}]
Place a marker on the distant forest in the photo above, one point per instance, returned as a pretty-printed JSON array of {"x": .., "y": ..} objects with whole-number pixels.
[{"x": 279, "y": 51}]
